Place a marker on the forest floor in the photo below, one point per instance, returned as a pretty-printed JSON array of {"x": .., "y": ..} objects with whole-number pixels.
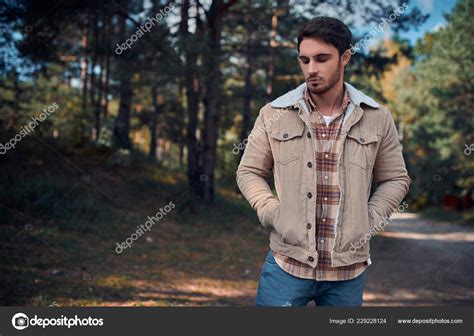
[{"x": 64, "y": 210}]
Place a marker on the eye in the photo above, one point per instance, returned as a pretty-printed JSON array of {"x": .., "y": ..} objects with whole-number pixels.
[{"x": 304, "y": 60}]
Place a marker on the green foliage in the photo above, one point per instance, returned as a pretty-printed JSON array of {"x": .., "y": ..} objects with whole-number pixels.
[{"x": 435, "y": 96}]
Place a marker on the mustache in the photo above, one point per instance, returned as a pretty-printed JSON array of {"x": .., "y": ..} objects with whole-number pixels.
[{"x": 315, "y": 77}]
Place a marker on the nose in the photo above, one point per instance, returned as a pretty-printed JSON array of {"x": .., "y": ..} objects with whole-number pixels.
[{"x": 312, "y": 69}]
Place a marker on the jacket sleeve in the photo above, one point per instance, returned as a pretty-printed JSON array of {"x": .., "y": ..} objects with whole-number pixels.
[
  {"x": 390, "y": 174},
  {"x": 254, "y": 168}
]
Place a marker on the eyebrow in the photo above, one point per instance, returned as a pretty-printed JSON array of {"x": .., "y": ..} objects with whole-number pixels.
[{"x": 317, "y": 55}]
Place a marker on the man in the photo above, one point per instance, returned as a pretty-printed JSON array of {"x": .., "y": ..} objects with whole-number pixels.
[{"x": 326, "y": 141}]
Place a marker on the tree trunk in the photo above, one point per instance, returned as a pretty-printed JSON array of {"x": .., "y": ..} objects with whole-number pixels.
[
  {"x": 122, "y": 122},
  {"x": 248, "y": 88},
  {"x": 84, "y": 74},
  {"x": 93, "y": 81},
  {"x": 154, "y": 120},
  {"x": 108, "y": 55},
  {"x": 191, "y": 82},
  {"x": 273, "y": 44},
  {"x": 211, "y": 116}
]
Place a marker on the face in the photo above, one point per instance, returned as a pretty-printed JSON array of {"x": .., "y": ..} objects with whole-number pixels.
[{"x": 321, "y": 65}]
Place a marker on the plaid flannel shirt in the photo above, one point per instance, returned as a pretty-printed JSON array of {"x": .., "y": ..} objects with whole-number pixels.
[{"x": 328, "y": 150}]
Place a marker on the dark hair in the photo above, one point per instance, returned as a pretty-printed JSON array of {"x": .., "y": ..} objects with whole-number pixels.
[{"x": 329, "y": 30}]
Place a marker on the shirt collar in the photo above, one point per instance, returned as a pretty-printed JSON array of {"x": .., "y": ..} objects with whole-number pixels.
[{"x": 345, "y": 101}]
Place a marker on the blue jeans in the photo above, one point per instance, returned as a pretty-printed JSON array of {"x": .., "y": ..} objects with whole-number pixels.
[{"x": 279, "y": 288}]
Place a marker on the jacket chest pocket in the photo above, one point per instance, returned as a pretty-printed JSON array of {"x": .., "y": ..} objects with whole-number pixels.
[
  {"x": 288, "y": 143},
  {"x": 362, "y": 148}
]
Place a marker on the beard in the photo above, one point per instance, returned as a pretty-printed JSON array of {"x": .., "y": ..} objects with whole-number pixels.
[{"x": 325, "y": 85}]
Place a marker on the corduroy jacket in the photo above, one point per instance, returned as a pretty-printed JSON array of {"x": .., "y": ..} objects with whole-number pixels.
[{"x": 281, "y": 140}]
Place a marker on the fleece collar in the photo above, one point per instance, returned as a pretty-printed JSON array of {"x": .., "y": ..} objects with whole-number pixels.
[{"x": 292, "y": 97}]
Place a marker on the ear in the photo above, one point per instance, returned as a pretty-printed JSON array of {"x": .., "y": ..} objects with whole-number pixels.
[{"x": 346, "y": 56}]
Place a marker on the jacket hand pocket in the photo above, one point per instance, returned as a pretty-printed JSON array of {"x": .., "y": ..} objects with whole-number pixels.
[
  {"x": 276, "y": 216},
  {"x": 374, "y": 221}
]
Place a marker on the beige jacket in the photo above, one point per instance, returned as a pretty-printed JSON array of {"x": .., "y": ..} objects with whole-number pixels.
[{"x": 281, "y": 139}]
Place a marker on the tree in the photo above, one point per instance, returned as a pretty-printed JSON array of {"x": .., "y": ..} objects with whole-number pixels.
[{"x": 435, "y": 96}]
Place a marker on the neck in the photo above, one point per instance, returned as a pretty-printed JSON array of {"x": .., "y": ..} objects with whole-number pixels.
[{"x": 327, "y": 101}]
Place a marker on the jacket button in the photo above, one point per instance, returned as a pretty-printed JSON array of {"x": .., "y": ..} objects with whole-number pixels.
[
  {"x": 310, "y": 258},
  {"x": 310, "y": 164},
  {"x": 285, "y": 135},
  {"x": 308, "y": 135},
  {"x": 308, "y": 226},
  {"x": 310, "y": 195},
  {"x": 362, "y": 140}
]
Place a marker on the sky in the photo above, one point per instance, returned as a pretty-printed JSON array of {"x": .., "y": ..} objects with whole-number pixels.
[
  {"x": 435, "y": 8},
  {"x": 359, "y": 27},
  {"x": 436, "y": 20}
]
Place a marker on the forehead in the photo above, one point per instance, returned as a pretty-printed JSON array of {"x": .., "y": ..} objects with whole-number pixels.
[{"x": 311, "y": 47}]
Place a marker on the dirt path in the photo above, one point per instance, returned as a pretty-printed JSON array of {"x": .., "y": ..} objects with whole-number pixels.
[{"x": 419, "y": 262}]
